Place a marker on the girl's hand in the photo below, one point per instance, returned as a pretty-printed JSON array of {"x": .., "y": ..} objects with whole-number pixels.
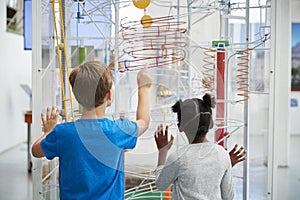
[
  {"x": 237, "y": 156},
  {"x": 50, "y": 119},
  {"x": 161, "y": 138}
]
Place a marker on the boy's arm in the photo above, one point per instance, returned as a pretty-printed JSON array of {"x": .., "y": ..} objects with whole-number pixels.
[
  {"x": 49, "y": 121},
  {"x": 36, "y": 148},
  {"x": 143, "y": 108}
]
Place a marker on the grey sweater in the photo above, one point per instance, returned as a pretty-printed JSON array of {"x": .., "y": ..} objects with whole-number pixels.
[{"x": 197, "y": 171}]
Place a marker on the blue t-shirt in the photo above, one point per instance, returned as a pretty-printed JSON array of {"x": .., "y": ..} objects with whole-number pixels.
[{"x": 91, "y": 157}]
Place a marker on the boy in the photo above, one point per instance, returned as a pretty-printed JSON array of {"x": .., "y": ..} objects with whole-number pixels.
[{"x": 91, "y": 150}]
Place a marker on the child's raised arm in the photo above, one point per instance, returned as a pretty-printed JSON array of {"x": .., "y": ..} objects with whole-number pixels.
[
  {"x": 143, "y": 109},
  {"x": 49, "y": 122}
]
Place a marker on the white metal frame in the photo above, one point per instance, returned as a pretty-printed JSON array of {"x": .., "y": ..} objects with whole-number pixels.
[
  {"x": 37, "y": 99},
  {"x": 36, "y": 92}
]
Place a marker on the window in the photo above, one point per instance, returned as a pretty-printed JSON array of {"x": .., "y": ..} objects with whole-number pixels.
[{"x": 14, "y": 16}]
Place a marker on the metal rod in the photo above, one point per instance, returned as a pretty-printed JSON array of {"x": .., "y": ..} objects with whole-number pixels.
[
  {"x": 36, "y": 93},
  {"x": 116, "y": 51},
  {"x": 246, "y": 121},
  {"x": 188, "y": 57}
]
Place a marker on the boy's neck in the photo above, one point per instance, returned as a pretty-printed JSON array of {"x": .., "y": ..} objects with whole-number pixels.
[{"x": 98, "y": 112}]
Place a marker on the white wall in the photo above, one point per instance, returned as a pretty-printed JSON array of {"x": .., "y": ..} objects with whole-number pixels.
[
  {"x": 295, "y": 111},
  {"x": 15, "y": 70}
]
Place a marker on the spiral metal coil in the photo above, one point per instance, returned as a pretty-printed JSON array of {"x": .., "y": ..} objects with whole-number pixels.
[
  {"x": 161, "y": 44},
  {"x": 209, "y": 68},
  {"x": 242, "y": 76}
]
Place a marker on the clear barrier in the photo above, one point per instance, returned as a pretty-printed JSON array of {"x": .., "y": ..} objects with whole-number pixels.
[{"x": 184, "y": 64}]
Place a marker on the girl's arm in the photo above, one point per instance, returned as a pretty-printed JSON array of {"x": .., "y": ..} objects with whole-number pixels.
[
  {"x": 227, "y": 186},
  {"x": 227, "y": 190},
  {"x": 166, "y": 173}
]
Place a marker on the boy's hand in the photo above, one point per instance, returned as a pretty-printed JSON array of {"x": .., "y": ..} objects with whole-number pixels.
[
  {"x": 143, "y": 78},
  {"x": 50, "y": 120},
  {"x": 161, "y": 138},
  {"x": 237, "y": 156}
]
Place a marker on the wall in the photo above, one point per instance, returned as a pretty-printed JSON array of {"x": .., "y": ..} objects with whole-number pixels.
[
  {"x": 15, "y": 70},
  {"x": 295, "y": 111}
]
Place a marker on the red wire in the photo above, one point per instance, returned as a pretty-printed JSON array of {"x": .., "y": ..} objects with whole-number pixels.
[{"x": 161, "y": 44}]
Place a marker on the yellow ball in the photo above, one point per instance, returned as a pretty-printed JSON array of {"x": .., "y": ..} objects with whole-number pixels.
[
  {"x": 146, "y": 21},
  {"x": 141, "y": 4},
  {"x": 61, "y": 46}
]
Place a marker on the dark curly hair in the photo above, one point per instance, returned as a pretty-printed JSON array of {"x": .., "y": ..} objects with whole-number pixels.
[{"x": 195, "y": 115}]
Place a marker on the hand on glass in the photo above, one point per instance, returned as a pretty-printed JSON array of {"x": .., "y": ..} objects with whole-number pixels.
[
  {"x": 161, "y": 138},
  {"x": 49, "y": 119},
  {"x": 237, "y": 155}
]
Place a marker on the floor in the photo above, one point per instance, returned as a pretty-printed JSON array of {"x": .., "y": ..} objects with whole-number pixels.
[
  {"x": 289, "y": 179},
  {"x": 16, "y": 182}
]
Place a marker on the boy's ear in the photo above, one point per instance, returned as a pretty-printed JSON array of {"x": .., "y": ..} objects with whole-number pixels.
[{"x": 109, "y": 96}]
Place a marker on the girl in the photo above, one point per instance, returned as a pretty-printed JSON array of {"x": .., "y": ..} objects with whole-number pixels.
[{"x": 202, "y": 169}]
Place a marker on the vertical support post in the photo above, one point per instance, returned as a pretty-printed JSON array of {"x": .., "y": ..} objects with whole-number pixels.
[
  {"x": 272, "y": 163},
  {"x": 179, "y": 66},
  {"x": 282, "y": 84},
  {"x": 116, "y": 50},
  {"x": 220, "y": 94},
  {"x": 53, "y": 180},
  {"x": 280, "y": 87},
  {"x": 246, "y": 118},
  {"x": 63, "y": 59},
  {"x": 188, "y": 57},
  {"x": 36, "y": 93},
  {"x": 225, "y": 36},
  {"x": 268, "y": 62}
]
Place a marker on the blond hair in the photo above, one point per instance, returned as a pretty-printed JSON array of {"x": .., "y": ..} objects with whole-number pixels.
[{"x": 90, "y": 82}]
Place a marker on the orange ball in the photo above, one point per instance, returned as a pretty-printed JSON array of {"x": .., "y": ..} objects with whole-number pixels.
[
  {"x": 146, "y": 21},
  {"x": 141, "y": 4}
]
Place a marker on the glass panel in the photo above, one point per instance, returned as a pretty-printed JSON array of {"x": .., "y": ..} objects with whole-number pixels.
[
  {"x": 88, "y": 31},
  {"x": 258, "y": 103},
  {"x": 82, "y": 41}
]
